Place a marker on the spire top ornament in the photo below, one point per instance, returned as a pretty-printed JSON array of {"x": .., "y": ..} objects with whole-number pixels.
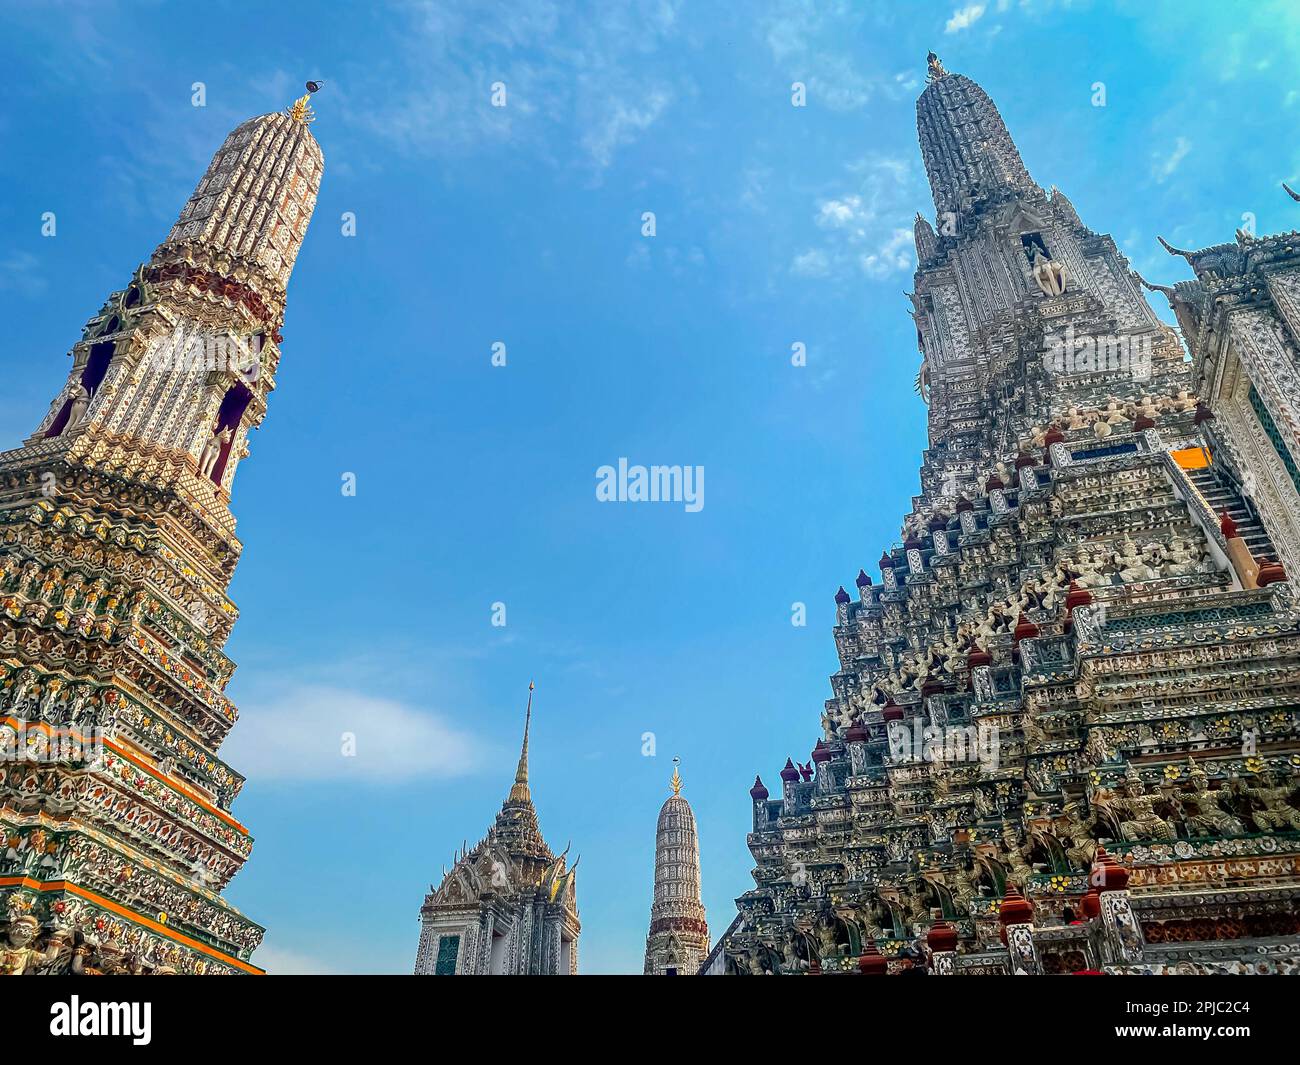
[
  {"x": 519, "y": 793},
  {"x": 301, "y": 110},
  {"x": 677, "y": 777},
  {"x": 934, "y": 68}
]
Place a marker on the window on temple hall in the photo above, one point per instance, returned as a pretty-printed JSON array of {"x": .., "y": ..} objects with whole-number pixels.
[
  {"x": 448, "y": 948},
  {"x": 1275, "y": 437},
  {"x": 497, "y": 956}
]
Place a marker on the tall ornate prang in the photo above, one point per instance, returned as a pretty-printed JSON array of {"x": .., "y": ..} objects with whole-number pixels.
[
  {"x": 1081, "y": 639},
  {"x": 678, "y": 940},
  {"x": 508, "y": 906},
  {"x": 117, "y": 545}
]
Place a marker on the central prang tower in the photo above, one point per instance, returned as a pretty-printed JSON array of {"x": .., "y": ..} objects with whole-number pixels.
[
  {"x": 116, "y": 547},
  {"x": 1064, "y": 734}
]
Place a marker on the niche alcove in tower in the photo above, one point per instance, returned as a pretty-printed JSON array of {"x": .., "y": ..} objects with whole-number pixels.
[
  {"x": 232, "y": 410},
  {"x": 92, "y": 377}
]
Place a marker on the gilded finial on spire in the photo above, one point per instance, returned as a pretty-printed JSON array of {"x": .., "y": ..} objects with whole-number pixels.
[
  {"x": 301, "y": 110},
  {"x": 520, "y": 793},
  {"x": 677, "y": 777},
  {"x": 935, "y": 69}
]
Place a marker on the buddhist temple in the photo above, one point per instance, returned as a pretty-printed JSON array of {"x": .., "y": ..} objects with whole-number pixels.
[
  {"x": 117, "y": 549},
  {"x": 508, "y": 906},
  {"x": 678, "y": 940},
  {"x": 1062, "y": 736}
]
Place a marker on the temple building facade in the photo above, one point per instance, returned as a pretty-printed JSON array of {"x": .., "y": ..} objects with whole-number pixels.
[
  {"x": 1240, "y": 317},
  {"x": 508, "y": 906},
  {"x": 1063, "y": 735},
  {"x": 117, "y": 545},
  {"x": 678, "y": 940}
]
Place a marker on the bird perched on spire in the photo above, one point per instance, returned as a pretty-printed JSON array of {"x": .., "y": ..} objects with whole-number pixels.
[{"x": 301, "y": 110}]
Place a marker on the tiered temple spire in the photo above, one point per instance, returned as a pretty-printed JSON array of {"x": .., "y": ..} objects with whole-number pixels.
[
  {"x": 118, "y": 550},
  {"x": 509, "y": 906},
  {"x": 678, "y": 940}
]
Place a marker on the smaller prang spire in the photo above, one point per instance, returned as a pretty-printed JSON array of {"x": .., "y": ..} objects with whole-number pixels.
[{"x": 519, "y": 793}]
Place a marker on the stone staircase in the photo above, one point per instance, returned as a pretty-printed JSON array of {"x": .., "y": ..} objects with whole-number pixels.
[{"x": 1222, "y": 494}]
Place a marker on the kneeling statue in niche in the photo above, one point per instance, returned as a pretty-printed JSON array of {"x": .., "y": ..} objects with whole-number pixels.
[{"x": 1049, "y": 274}]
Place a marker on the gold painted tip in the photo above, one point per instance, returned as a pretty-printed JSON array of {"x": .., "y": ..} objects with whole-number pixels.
[
  {"x": 301, "y": 110},
  {"x": 677, "y": 777}
]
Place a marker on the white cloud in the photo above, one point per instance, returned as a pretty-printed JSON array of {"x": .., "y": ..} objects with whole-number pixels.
[
  {"x": 298, "y": 733},
  {"x": 278, "y": 962},
  {"x": 1163, "y": 166},
  {"x": 812, "y": 263},
  {"x": 963, "y": 18},
  {"x": 865, "y": 230},
  {"x": 840, "y": 214},
  {"x": 894, "y": 256}
]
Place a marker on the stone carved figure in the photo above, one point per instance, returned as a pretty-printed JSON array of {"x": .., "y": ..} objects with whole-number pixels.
[
  {"x": 1203, "y": 808},
  {"x": 1137, "y": 818},
  {"x": 1048, "y": 273},
  {"x": 1082, "y": 845},
  {"x": 18, "y": 957},
  {"x": 1269, "y": 807},
  {"x": 1018, "y": 868},
  {"x": 77, "y": 412},
  {"x": 827, "y": 945},
  {"x": 212, "y": 451},
  {"x": 1131, "y": 566},
  {"x": 1181, "y": 559},
  {"x": 1074, "y": 419}
]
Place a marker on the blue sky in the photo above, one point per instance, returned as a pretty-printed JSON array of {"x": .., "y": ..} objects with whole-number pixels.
[{"x": 775, "y": 225}]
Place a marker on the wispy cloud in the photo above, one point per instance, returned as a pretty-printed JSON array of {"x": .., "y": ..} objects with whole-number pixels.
[
  {"x": 568, "y": 84},
  {"x": 19, "y": 272},
  {"x": 621, "y": 123},
  {"x": 806, "y": 41},
  {"x": 963, "y": 18},
  {"x": 1164, "y": 164},
  {"x": 316, "y": 732},
  {"x": 812, "y": 263}
]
